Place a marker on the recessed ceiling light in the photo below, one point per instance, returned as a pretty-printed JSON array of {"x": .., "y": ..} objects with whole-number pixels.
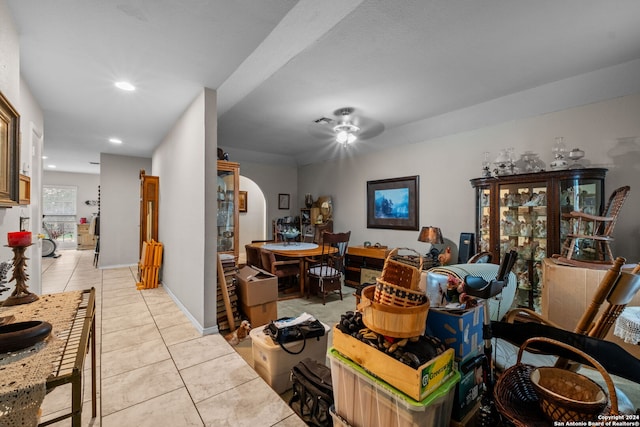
[
  {"x": 51, "y": 166},
  {"x": 44, "y": 157},
  {"x": 125, "y": 86},
  {"x": 115, "y": 140}
]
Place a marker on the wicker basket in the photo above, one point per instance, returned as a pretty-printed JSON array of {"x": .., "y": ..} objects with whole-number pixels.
[
  {"x": 403, "y": 271},
  {"x": 566, "y": 395},
  {"x": 517, "y": 398},
  {"x": 392, "y": 321},
  {"x": 390, "y": 294}
]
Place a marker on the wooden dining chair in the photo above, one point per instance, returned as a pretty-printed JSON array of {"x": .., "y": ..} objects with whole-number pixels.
[
  {"x": 325, "y": 276},
  {"x": 253, "y": 255},
  {"x": 282, "y": 269}
]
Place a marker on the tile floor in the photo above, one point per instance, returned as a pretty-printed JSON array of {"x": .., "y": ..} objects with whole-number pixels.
[{"x": 155, "y": 369}]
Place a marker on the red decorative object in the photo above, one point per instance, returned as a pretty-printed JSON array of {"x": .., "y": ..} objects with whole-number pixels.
[{"x": 19, "y": 238}]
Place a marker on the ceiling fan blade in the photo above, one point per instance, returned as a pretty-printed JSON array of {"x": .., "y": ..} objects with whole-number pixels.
[
  {"x": 322, "y": 131},
  {"x": 369, "y": 128}
]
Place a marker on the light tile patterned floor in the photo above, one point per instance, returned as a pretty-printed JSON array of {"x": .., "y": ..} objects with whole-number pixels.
[{"x": 155, "y": 369}]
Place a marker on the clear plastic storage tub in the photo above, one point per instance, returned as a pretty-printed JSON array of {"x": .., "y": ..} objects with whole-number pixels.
[
  {"x": 274, "y": 364},
  {"x": 362, "y": 400}
]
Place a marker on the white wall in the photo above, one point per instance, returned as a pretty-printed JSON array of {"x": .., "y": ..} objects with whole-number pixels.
[
  {"x": 186, "y": 214},
  {"x": 272, "y": 180},
  {"x": 19, "y": 95},
  {"x": 87, "y": 189},
  {"x": 120, "y": 209},
  {"x": 446, "y": 164}
]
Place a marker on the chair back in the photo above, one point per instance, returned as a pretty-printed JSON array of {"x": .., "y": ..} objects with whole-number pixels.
[
  {"x": 253, "y": 256},
  {"x": 267, "y": 259},
  {"x": 612, "y": 209},
  {"x": 336, "y": 240}
]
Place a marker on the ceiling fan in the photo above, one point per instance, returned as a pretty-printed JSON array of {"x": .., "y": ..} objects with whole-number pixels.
[{"x": 346, "y": 127}]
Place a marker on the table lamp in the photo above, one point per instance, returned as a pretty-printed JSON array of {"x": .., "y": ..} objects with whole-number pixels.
[{"x": 431, "y": 235}]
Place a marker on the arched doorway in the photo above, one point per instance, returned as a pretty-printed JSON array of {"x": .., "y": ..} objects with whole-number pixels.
[{"x": 253, "y": 222}]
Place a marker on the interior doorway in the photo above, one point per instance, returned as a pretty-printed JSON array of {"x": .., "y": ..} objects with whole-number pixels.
[{"x": 253, "y": 222}]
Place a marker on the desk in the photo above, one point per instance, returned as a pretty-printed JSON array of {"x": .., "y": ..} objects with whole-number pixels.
[
  {"x": 299, "y": 251},
  {"x": 57, "y": 361},
  {"x": 628, "y": 325}
]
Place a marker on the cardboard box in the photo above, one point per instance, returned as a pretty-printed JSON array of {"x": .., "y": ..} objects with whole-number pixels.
[
  {"x": 567, "y": 291},
  {"x": 256, "y": 286},
  {"x": 469, "y": 389},
  {"x": 460, "y": 331},
  {"x": 261, "y": 314},
  {"x": 416, "y": 383}
]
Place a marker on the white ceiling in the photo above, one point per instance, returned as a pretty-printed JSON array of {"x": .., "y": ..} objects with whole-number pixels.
[{"x": 280, "y": 64}]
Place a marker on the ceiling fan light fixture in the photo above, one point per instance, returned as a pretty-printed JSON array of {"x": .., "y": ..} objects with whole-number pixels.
[{"x": 346, "y": 133}]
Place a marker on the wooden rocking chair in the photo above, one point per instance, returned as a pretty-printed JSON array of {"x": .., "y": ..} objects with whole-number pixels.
[{"x": 587, "y": 244}]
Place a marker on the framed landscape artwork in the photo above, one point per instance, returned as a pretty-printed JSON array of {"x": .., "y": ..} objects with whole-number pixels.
[{"x": 393, "y": 203}]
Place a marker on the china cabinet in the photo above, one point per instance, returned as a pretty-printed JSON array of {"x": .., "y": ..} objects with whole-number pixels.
[
  {"x": 524, "y": 213},
  {"x": 228, "y": 212}
]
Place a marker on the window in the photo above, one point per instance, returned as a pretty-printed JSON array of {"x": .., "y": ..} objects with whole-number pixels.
[{"x": 59, "y": 210}]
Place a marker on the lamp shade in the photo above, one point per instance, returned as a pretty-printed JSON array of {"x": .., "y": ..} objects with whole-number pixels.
[{"x": 431, "y": 235}]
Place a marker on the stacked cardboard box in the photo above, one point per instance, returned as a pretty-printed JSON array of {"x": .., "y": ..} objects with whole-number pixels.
[{"x": 258, "y": 292}]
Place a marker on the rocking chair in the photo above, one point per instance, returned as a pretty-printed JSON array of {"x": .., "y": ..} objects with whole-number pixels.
[{"x": 587, "y": 244}]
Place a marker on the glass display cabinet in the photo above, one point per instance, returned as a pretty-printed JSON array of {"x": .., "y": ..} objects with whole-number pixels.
[
  {"x": 228, "y": 212},
  {"x": 524, "y": 213}
]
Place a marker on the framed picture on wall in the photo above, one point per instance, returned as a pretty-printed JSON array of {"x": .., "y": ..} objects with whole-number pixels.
[
  {"x": 393, "y": 203},
  {"x": 283, "y": 201},
  {"x": 242, "y": 201}
]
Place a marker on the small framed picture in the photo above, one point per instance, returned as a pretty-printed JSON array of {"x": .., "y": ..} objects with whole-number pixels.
[
  {"x": 283, "y": 201},
  {"x": 242, "y": 203}
]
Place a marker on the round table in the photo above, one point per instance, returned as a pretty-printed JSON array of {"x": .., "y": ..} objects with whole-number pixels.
[
  {"x": 299, "y": 251},
  {"x": 628, "y": 325}
]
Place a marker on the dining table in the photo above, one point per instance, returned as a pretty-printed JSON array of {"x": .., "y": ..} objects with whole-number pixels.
[{"x": 301, "y": 251}]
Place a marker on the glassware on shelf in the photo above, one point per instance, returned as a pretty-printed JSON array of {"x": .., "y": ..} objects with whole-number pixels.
[
  {"x": 502, "y": 163},
  {"x": 575, "y": 155},
  {"x": 486, "y": 165},
  {"x": 559, "y": 155},
  {"x": 530, "y": 162}
]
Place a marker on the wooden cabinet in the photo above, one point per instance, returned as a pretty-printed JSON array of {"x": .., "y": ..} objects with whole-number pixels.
[
  {"x": 149, "y": 195},
  {"x": 24, "y": 193},
  {"x": 228, "y": 212},
  {"x": 524, "y": 213},
  {"x": 85, "y": 240},
  {"x": 363, "y": 264}
]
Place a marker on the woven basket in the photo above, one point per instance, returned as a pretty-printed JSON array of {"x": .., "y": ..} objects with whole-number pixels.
[
  {"x": 397, "y": 296},
  {"x": 517, "y": 399},
  {"x": 566, "y": 395},
  {"x": 392, "y": 321},
  {"x": 403, "y": 271}
]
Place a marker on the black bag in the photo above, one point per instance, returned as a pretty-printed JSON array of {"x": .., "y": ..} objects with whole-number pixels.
[
  {"x": 312, "y": 392},
  {"x": 300, "y": 332}
]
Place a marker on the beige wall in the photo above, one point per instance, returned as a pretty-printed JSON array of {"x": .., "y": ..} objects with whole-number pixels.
[{"x": 446, "y": 164}]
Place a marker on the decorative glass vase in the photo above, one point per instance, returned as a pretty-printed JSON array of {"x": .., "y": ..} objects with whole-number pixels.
[{"x": 529, "y": 162}]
